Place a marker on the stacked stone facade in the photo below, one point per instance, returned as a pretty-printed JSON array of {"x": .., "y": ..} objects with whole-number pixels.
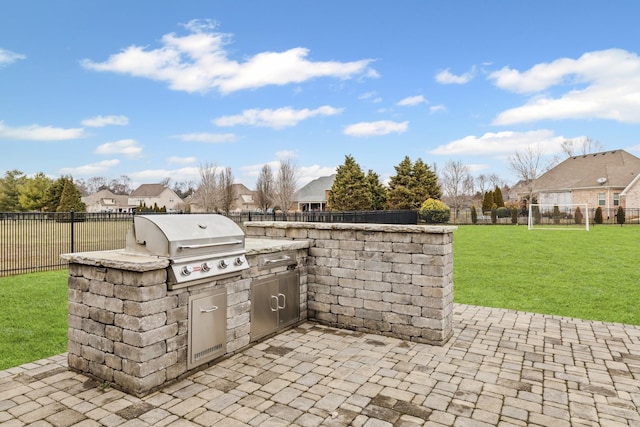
[
  {"x": 391, "y": 279},
  {"x": 130, "y": 331}
]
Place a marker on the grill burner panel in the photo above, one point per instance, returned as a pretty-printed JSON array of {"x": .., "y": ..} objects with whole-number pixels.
[{"x": 199, "y": 246}]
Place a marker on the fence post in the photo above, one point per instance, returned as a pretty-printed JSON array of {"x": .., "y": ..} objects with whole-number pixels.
[{"x": 72, "y": 231}]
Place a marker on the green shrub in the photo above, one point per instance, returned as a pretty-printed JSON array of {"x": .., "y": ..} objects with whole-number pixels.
[
  {"x": 474, "y": 215},
  {"x": 578, "y": 216},
  {"x": 494, "y": 214},
  {"x": 598, "y": 216},
  {"x": 503, "y": 212},
  {"x": 434, "y": 211},
  {"x": 556, "y": 214},
  {"x": 620, "y": 216},
  {"x": 514, "y": 215}
]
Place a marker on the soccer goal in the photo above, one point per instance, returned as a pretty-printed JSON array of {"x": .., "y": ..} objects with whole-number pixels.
[{"x": 560, "y": 216}]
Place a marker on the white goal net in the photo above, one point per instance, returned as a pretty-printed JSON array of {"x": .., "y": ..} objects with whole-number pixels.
[{"x": 560, "y": 216}]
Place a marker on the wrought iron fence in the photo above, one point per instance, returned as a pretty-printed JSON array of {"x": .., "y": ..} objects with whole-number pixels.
[{"x": 34, "y": 241}]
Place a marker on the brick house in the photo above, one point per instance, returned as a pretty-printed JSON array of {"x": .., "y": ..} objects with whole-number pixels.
[
  {"x": 608, "y": 179},
  {"x": 106, "y": 201},
  {"x": 155, "y": 194}
]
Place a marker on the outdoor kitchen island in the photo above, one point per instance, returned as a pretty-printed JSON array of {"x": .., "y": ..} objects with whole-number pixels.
[{"x": 135, "y": 327}]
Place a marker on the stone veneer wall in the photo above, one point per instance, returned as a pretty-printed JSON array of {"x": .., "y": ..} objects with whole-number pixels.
[
  {"x": 128, "y": 330},
  {"x": 390, "y": 279}
]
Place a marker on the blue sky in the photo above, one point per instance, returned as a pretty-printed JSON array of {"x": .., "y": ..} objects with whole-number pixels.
[{"x": 154, "y": 89}]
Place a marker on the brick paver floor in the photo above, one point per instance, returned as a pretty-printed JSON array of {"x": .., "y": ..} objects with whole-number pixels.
[{"x": 501, "y": 367}]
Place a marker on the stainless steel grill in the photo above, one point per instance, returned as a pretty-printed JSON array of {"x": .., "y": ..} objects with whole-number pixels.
[{"x": 200, "y": 247}]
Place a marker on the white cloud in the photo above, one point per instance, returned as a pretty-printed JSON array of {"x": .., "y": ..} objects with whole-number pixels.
[
  {"x": 598, "y": 85},
  {"x": 446, "y": 77},
  {"x": 286, "y": 155},
  {"x": 499, "y": 143},
  {"x": 182, "y": 160},
  {"x": 309, "y": 173},
  {"x": 157, "y": 175},
  {"x": 382, "y": 127},
  {"x": 412, "y": 100},
  {"x": 199, "y": 62},
  {"x": 39, "y": 133},
  {"x": 128, "y": 147},
  {"x": 90, "y": 169},
  {"x": 101, "y": 121},
  {"x": 209, "y": 138},
  {"x": 7, "y": 57},
  {"x": 277, "y": 119},
  {"x": 437, "y": 108}
]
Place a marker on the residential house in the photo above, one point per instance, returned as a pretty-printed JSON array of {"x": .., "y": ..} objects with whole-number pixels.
[
  {"x": 243, "y": 200},
  {"x": 155, "y": 194},
  {"x": 106, "y": 201},
  {"x": 315, "y": 195},
  {"x": 608, "y": 179}
]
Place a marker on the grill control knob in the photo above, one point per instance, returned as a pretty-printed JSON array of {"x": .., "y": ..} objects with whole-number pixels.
[
  {"x": 187, "y": 270},
  {"x": 223, "y": 264},
  {"x": 206, "y": 266},
  {"x": 238, "y": 261}
]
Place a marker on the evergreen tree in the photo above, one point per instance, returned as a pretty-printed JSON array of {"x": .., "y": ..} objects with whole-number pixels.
[
  {"x": 70, "y": 199},
  {"x": 350, "y": 189},
  {"x": 598, "y": 219},
  {"x": 474, "y": 215},
  {"x": 377, "y": 190},
  {"x": 412, "y": 185},
  {"x": 487, "y": 201},
  {"x": 32, "y": 192},
  {"x": 620, "y": 215},
  {"x": 10, "y": 191},
  {"x": 497, "y": 197}
]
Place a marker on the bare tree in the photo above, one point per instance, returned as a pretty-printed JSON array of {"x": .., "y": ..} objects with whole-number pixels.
[
  {"x": 121, "y": 185},
  {"x": 495, "y": 181},
  {"x": 455, "y": 184},
  {"x": 206, "y": 194},
  {"x": 227, "y": 193},
  {"x": 581, "y": 146},
  {"x": 482, "y": 182},
  {"x": 286, "y": 183},
  {"x": 265, "y": 188},
  {"x": 527, "y": 165}
]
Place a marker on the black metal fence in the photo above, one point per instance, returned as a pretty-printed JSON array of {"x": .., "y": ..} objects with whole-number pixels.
[{"x": 34, "y": 241}]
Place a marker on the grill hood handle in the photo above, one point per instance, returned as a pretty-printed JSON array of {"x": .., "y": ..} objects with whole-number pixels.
[{"x": 209, "y": 245}]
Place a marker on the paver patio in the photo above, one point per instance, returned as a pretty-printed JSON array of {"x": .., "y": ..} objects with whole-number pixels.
[{"x": 501, "y": 367}]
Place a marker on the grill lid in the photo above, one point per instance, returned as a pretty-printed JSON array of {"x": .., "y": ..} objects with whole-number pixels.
[
  {"x": 200, "y": 247},
  {"x": 177, "y": 236}
]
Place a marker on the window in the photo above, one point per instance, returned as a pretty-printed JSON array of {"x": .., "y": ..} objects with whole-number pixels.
[
  {"x": 616, "y": 199},
  {"x": 601, "y": 200}
]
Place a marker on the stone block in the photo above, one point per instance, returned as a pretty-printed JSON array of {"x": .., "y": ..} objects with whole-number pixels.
[
  {"x": 343, "y": 311},
  {"x": 146, "y": 278},
  {"x": 369, "y": 295},
  {"x": 78, "y": 335},
  {"x": 93, "y": 272},
  {"x": 78, "y": 283},
  {"x": 78, "y": 309},
  {"x": 100, "y": 287},
  {"x": 138, "y": 354},
  {"x": 101, "y": 316},
  {"x": 114, "y": 276},
  {"x": 177, "y": 342},
  {"x": 410, "y": 310},
  {"x": 92, "y": 355},
  {"x": 407, "y": 268},
  {"x": 339, "y": 291},
  {"x": 177, "y": 314},
  {"x": 113, "y": 362},
  {"x": 397, "y": 237},
  {"x": 378, "y": 246},
  {"x": 369, "y": 276},
  {"x": 114, "y": 305},
  {"x": 236, "y": 321},
  {"x": 343, "y": 235},
  {"x": 376, "y": 325},
  {"x": 134, "y": 308},
  {"x": 350, "y": 302},
  {"x": 406, "y": 330},
  {"x": 74, "y": 321},
  {"x": 384, "y": 267},
  {"x": 239, "y": 309},
  {"x": 93, "y": 300},
  {"x": 350, "y": 322},
  {"x": 364, "y": 313},
  {"x": 397, "y": 298},
  {"x": 93, "y": 327},
  {"x": 77, "y": 363},
  {"x": 144, "y": 339},
  {"x": 141, "y": 293},
  {"x": 141, "y": 324},
  {"x": 101, "y": 344},
  {"x": 395, "y": 318},
  {"x": 343, "y": 272},
  {"x": 113, "y": 333},
  {"x": 351, "y": 245},
  {"x": 379, "y": 306},
  {"x": 350, "y": 263},
  {"x": 143, "y": 369},
  {"x": 396, "y": 278}
]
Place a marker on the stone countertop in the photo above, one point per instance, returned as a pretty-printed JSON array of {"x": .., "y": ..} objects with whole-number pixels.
[
  {"x": 123, "y": 260},
  {"x": 255, "y": 246}
]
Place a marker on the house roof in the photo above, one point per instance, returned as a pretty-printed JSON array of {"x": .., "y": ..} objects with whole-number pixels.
[
  {"x": 148, "y": 190},
  {"x": 606, "y": 169},
  {"x": 315, "y": 191}
]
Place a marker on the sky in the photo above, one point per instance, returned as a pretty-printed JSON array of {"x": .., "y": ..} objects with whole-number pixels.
[{"x": 158, "y": 89}]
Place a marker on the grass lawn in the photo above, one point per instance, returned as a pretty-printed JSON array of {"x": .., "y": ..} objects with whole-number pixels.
[
  {"x": 589, "y": 275},
  {"x": 33, "y": 317}
]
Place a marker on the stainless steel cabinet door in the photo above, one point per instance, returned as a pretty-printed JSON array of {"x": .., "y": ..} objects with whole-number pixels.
[
  {"x": 264, "y": 307},
  {"x": 289, "y": 298}
]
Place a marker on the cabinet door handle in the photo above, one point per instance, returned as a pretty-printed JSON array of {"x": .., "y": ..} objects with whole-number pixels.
[
  {"x": 284, "y": 301},
  {"x": 208, "y": 310},
  {"x": 273, "y": 297}
]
